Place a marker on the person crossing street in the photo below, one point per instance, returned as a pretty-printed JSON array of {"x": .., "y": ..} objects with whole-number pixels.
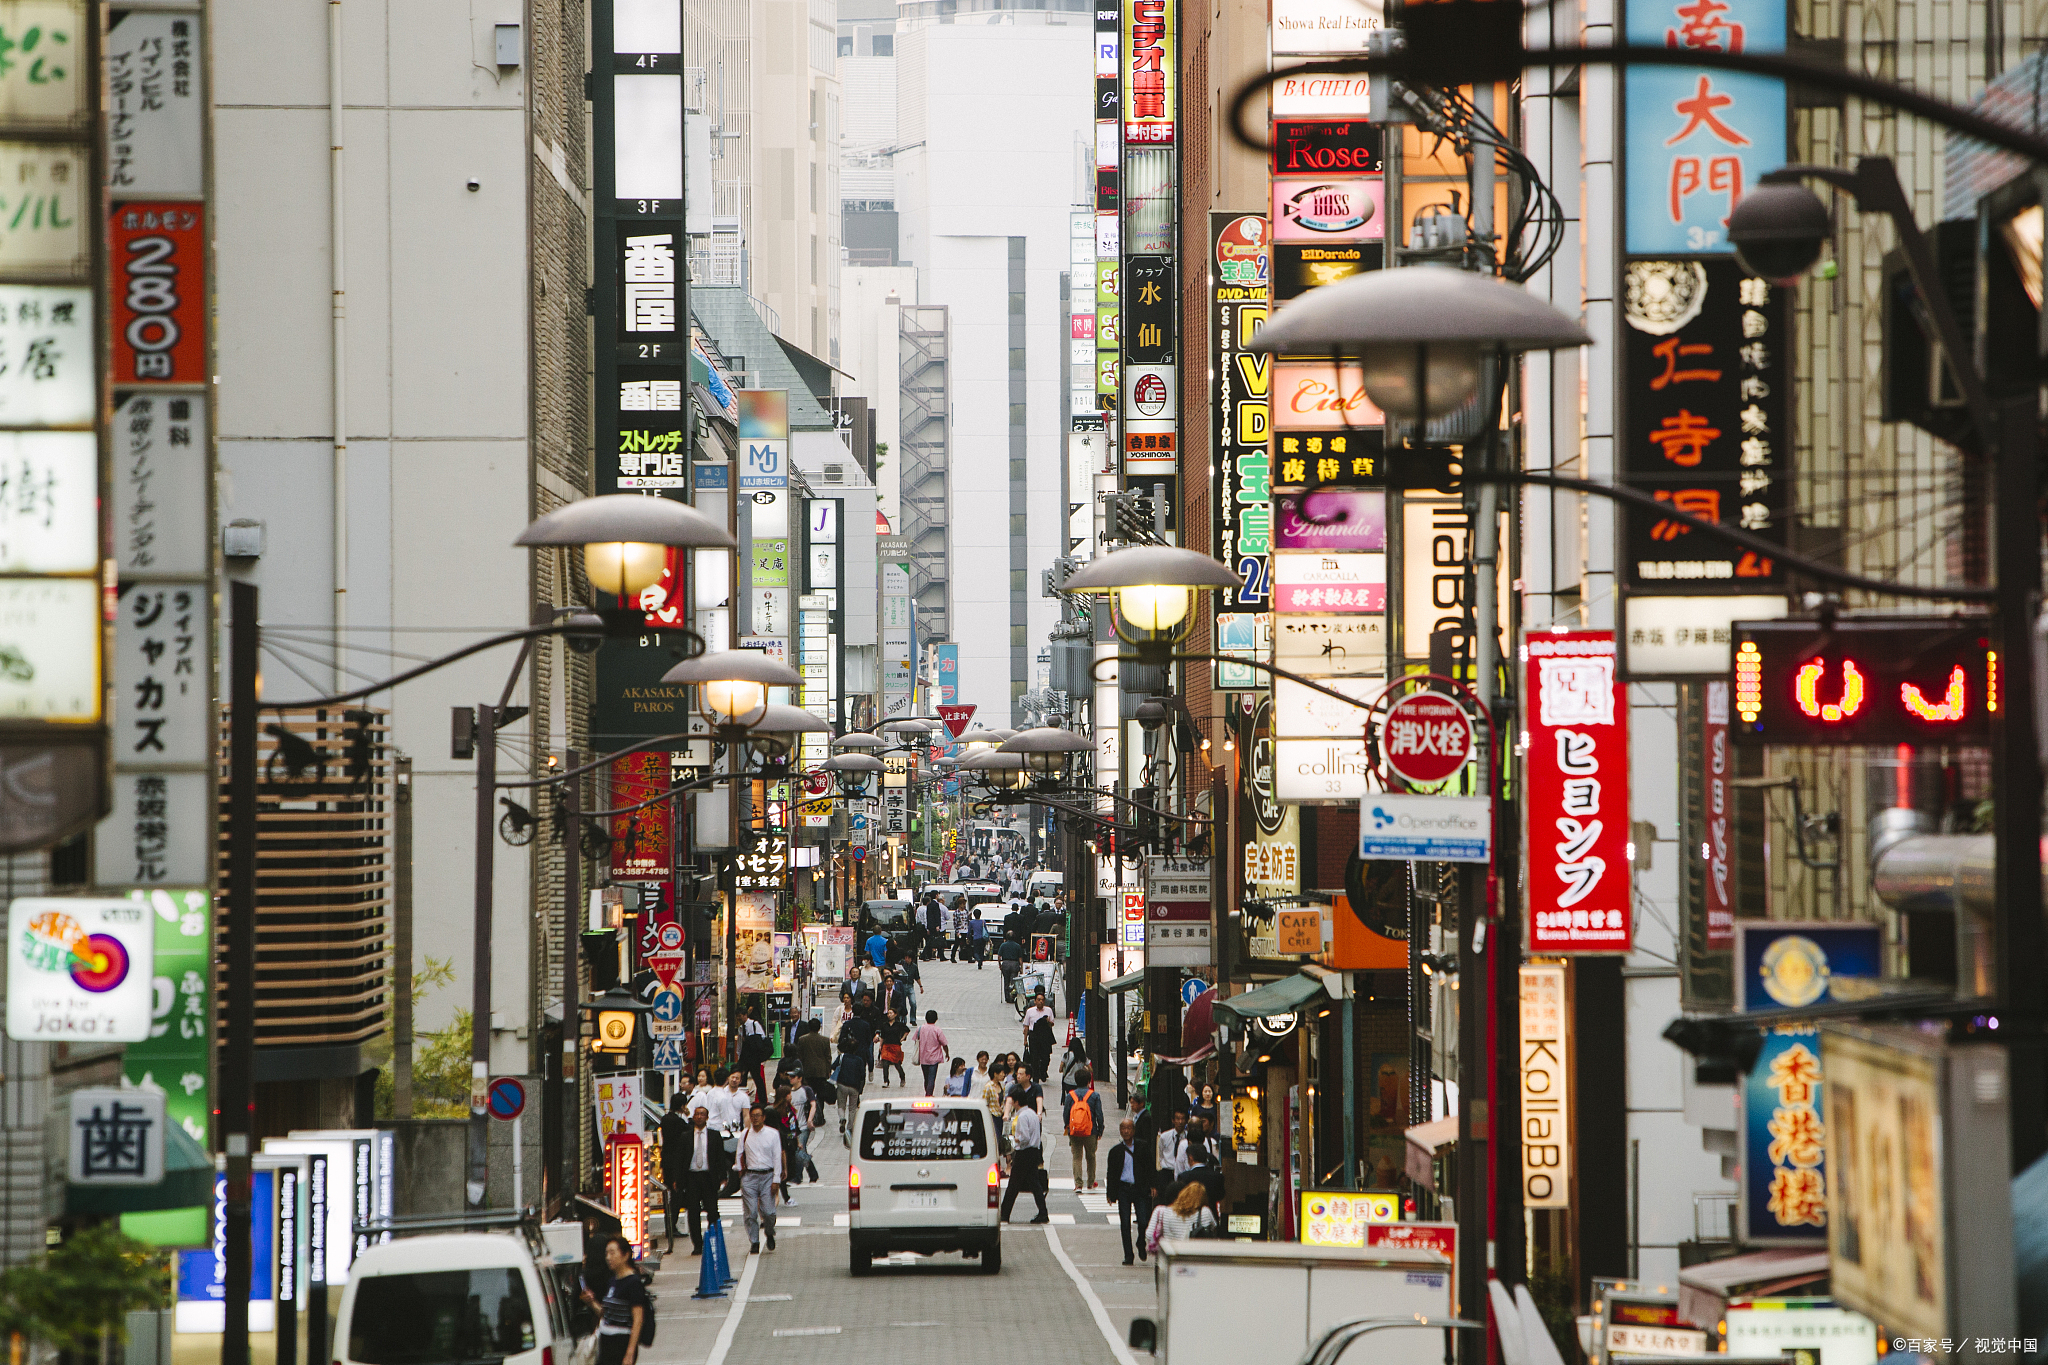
[{"x": 1027, "y": 1163}]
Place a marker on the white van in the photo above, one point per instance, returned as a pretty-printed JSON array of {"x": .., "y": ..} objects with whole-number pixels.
[
  {"x": 1044, "y": 886},
  {"x": 452, "y": 1298},
  {"x": 923, "y": 1177}
]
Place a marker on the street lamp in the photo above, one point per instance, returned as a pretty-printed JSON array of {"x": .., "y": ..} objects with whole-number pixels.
[
  {"x": 618, "y": 1014},
  {"x": 732, "y": 688},
  {"x": 1047, "y": 749},
  {"x": 625, "y": 538},
  {"x": 1153, "y": 589},
  {"x": 853, "y": 771},
  {"x": 860, "y": 741},
  {"x": 996, "y": 770}
]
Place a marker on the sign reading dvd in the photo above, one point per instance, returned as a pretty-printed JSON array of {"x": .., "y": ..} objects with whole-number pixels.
[{"x": 79, "y": 970}]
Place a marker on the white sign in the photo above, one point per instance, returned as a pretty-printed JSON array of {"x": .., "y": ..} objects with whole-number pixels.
[
  {"x": 116, "y": 1136},
  {"x": 1301, "y": 27},
  {"x": 1303, "y": 713},
  {"x": 1320, "y": 581},
  {"x": 1321, "y": 646},
  {"x": 161, "y": 473},
  {"x": 1443, "y": 829},
  {"x": 43, "y": 209},
  {"x": 79, "y": 970},
  {"x": 1177, "y": 912},
  {"x": 161, "y": 675},
  {"x": 50, "y": 649},
  {"x": 160, "y": 832},
  {"x": 1546, "y": 1108},
  {"x": 154, "y": 98},
  {"x": 1668, "y": 637},
  {"x": 618, "y": 1105},
  {"x": 47, "y": 376},
  {"x": 49, "y": 502},
  {"x": 1318, "y": 771},
  {"x": 1844, "y": 1336},
  {"x": 1654, "y": 1341},
  {"x": 1435, "y": 540},
  {"x": 43, "y": 81},
  {"x": 1322, "y": 96}
]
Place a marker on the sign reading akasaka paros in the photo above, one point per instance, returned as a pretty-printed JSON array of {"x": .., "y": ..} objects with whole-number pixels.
[
  {"x": 1425, "y": 739},
  {"x": 1577, "y": 781}
]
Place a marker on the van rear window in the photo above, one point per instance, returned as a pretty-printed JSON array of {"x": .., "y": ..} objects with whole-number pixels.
[
  {"x": 952, "y": 1134},
  {"x": 440, "y": 1317}
]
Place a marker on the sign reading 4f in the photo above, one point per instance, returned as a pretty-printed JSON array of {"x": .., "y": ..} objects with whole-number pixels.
[
  {"x": 764, "y": 463},
  {"x": 1697, "y": 139}
]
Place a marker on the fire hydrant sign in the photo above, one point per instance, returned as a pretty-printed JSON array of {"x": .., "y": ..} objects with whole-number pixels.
[
  {"x": 1577, "y": 783},
  {"x": 1426, "y": 739}
]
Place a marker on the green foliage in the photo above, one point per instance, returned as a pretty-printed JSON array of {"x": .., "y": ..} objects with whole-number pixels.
[
  {"x": 440, "y": 1058},
  {"x": 83, "y": 1288},
  {"x": 1552, "y": 1290}
]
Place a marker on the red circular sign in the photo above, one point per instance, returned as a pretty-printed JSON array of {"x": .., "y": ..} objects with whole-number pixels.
[{"x": 1425, "y": 738}]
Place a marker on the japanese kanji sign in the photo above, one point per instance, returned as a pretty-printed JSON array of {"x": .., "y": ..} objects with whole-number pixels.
[
  {"x": 161, "y": 471},
  {"x": 1706, "y": 413},
  {"x": 642, "y": 840},
  {"x": 762, "y": 864},
  {"x": 1242, "y": 404},
  {"x": 117, "y": 1137},
  {"x": 1150, "y": 66},
  {"x": 1577, "y": 782},
  {"x": 173, "y": 1059},
  {"x": 155, "y": 98},
  {"x": 158, "y": 259},
  {"x": 45, "y": 77},
  {"x": 1784, "y": 1141},
  {"x": 1697, "y": 140}
]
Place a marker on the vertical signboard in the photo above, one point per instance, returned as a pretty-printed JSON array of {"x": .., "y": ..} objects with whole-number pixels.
[
  {"x": 1546, "y": 1104},
  {"x": 1784, "y": 1142},
  {"x": 1177, "y": 913},
  {"x": 1717, "y": 769},
  {"x": 897, "y": 628},
  {"x": 643, "y": 840},
  {"x": 1243, "y": 482},
  {"x": 1577, "y": 794},
  {"x": 174, "y": 1057},
  {"x": 1150, "y": 72}
]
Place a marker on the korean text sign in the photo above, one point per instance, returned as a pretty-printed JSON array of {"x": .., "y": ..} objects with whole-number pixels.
[
  {"x": 1697, "y": 140},
  {"x": 1577, "y": 777}
]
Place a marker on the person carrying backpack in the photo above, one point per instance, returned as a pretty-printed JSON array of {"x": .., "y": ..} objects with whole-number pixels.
[{"x": 1084, "y": 1125}]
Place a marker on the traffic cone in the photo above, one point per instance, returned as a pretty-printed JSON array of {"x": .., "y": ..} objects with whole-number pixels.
[
  {"x": 716, "y": 1245},
  {"x": 709, "y": 1286}
]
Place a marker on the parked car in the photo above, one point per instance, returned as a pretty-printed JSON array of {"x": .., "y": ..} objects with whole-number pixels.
[
  {"x": 454, "y": 1298},
  {"x": 923, "y": 1177}
]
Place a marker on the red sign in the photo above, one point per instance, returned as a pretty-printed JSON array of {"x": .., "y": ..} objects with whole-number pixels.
[
  {"x": 642, "y": 840},
  {"x": 1442, "y": 1238},
  {"x": 159, "y": 293},
  {"x": 628, "y": 1171},
  {"x": 956, "y": 718},
  {"x": 1577, "y": 777},
  {"x": 1720, "y": 894},
  {"x": 1426, "y": 738},
  {"x": 661, "y": 937}
]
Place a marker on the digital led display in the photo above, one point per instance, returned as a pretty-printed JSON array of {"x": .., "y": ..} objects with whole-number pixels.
[{"x": 1891, "y": 681}]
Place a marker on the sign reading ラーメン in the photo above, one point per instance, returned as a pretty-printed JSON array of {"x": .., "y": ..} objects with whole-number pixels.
[{"x": 79, "y": 970}]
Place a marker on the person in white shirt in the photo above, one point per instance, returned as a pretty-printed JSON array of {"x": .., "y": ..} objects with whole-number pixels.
[
  {"x": 702, "y": 1094},
  {"x": 760, "y": 1169},
  {"x": 1173, "y": 1150},
  {"x": 1027, "y": 1163}
]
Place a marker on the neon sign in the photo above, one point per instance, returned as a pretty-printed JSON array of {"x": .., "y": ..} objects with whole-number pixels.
[{"x": 1875, "y": 680}]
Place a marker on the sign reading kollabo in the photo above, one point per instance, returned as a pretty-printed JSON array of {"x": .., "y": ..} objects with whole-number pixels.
[{"x": 79, "y": 970}]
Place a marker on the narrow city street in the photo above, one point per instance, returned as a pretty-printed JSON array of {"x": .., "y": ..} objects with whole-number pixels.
[{"x": 1063, "y": 1296}]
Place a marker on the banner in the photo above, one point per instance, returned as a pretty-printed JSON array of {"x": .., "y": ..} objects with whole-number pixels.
[
  {"x": 1577, "y": 782},
  {"x": 643, "y": 841}
]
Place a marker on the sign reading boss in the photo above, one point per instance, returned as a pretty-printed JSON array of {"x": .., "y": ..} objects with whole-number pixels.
[{"x": 159, "y": 293}]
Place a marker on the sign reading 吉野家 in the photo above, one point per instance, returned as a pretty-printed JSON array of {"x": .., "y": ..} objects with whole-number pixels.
[
  {"x": 1546, "y": 1112},
  {"x": 1577, "y": 783},
  {"x": 117, "y": 1136},
  {"x": 1697, "y": 140},
  {"x": 1706, "y": 410},
  {"x": 79, "y": 970}
]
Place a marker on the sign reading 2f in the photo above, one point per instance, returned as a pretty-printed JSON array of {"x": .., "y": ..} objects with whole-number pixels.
[{"x": 764, "y": 463}]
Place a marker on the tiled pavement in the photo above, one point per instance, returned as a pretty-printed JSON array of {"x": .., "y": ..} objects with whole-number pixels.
[{"x": 799, "y": 1303}]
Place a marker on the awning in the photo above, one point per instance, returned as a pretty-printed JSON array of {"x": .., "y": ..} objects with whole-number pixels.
[
  {"x": 1197, "y": 1031},
  {"x": 1423, "y": 1141},
  {"x": 188, "y": 1181},
  {"x": 1125, "y": 983},
  {"x": 1284, "y": 996},
  {"x": 1705, "y": 1289}
]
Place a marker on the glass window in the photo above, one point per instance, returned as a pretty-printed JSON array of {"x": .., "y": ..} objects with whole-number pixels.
[
  {"x": 952, "y": 1134},
  {"x": 440, "y": 1317}
]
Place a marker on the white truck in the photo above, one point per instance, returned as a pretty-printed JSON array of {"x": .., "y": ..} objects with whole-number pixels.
[{"x": 1204, "y": 1288}]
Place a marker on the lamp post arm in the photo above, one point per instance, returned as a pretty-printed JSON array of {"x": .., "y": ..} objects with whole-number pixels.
[
  {"x": 528, "y": 635},
  {"x": 642, "y": 747}
]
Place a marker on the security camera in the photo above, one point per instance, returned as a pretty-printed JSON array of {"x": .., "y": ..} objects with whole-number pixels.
[
  {"x": 1778, "y": 231},
  {"x": 474, "y": 184}
]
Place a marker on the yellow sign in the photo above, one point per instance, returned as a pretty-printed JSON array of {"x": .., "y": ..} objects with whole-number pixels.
[
  {"x": 1247, "y": 1122},
  {"x": 1337, "y": 1218},
  {"x": 1299, "y": 931}
]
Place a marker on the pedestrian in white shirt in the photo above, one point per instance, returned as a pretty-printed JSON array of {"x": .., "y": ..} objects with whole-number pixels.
[
  {"x": 1173, "y": 1150},
  {"x": 760, "y": 1170}
]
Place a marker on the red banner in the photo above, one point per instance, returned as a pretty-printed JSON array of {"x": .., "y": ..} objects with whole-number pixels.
[
  {"x": 642, "y": 840},
  {"x": 1720, "y": 813},
  {"x": 1579, "y": 894},
  {"x": 158, "y": 259}
]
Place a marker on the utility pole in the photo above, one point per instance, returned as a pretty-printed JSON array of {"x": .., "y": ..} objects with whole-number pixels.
[
  {"x": 238, "y": 1040},
  {"x": 569, "y": 1177},
  {"x": 480, "y": 958}
]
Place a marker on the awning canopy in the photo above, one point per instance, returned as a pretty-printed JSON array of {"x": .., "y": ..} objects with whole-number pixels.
[
  {"x": 188, "y": 1181},
  {"x": 1424, "y": 1139},
  {"x": 1705, "y": 1289},
  {"x": 1197, "y": 1031},
  {"x": 1284, "y": 996},
  {"x": 1125, "y": 983}
]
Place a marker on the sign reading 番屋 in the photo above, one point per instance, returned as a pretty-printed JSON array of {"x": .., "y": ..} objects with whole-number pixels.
[{"x": 1577, "y": 784}]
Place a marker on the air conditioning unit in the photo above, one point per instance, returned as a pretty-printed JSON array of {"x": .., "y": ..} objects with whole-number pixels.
[{"x": 834, "y": 473}]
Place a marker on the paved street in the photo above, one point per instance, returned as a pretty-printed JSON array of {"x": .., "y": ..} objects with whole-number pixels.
[{"x": 799, "y": 1302}]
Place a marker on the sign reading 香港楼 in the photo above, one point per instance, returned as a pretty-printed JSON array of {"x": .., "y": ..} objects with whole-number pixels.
[{"x": 1783, "y": 1160}]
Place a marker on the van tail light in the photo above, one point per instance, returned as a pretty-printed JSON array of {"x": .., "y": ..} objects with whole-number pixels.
[
  {"x": 547, "y": 1355},
  {"x": 995, "y": 1187},
  {"x": 853, "y": 1189}
]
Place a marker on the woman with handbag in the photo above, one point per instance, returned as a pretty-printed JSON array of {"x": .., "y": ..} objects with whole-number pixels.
[
  {"x": 1187, "y": 1216},
  {"x": 892, "y": 1033}
]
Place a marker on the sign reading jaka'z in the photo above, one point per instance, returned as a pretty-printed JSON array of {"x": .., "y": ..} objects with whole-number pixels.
[{"x": 1577, "y": 778}]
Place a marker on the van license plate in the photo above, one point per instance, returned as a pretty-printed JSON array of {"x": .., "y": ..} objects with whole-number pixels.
[{"x": 921, "y": 1201}]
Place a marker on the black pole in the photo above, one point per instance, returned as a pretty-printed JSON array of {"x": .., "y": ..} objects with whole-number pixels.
[
  {"x": 480, "y": 956},
  {"x": 1474, "y": 1131},
  {"x": 2016, "y": 777},
  {"x": 569, "y": 1110},
  {"x": 238, "y": 1045}
]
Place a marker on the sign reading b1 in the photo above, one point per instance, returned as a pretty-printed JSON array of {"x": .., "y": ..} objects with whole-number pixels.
[{"x": 79, "y": 970}]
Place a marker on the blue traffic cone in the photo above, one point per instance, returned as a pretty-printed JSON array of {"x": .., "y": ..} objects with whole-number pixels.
[
  {"x": 709, "y": 1286},
  {"x": 725, "y": 1275}
]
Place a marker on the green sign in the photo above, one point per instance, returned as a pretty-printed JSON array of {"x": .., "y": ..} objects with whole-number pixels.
[{"x": 181, "y": 1027}]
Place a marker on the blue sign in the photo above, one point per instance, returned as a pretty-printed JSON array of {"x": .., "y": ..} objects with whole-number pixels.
[
  {"x": 1191, "y": 988},
  {"x": 764, "y": 462},
  {"x": 203, "y": 1275},
  {"x": 1791, "y": 964},
  {"x": 668, "y": 1005},
  {"x": 668, "y": 1054},
  {"x": 1697, "y": 140},
  {"x": 507, "y": 1098},
  {"x": 1443, "y": 829},
  {"x": 1784, "y": 1142},
  {"x": 949, "y": 673},
  {"x": 711, "y": 475}
]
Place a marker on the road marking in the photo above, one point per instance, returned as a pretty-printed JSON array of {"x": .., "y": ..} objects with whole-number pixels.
[
  {"x": 917, "y": 1324},
  {"x": 1065, "y": 1220},
  {"x": 808, "y": 1331},
  {"x": 1101, "y": 1314},
  {"x": 773, "y": 1298},
  {"x": 842, "y": 1220},
  {"x": 732, "y": 1317}
]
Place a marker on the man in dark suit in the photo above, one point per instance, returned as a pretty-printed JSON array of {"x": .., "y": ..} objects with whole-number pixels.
[
  {"x": 1130, "y": 1185},
  {"x": 694, "y": 1163}
]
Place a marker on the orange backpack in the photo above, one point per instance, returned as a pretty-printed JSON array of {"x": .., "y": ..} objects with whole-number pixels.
[{"x": 1081, "y": 1118}]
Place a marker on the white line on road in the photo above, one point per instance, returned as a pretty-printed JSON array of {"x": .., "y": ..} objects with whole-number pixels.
[
  {"x": 773, "y": 1298},
  {"x": 732, "y": 1318},
  {"x": 1102, "y": 1322},
  {"x": 808, "y": 1331}
]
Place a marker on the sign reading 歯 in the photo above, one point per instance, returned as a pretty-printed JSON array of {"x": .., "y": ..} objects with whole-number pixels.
[
  {"x": 1546, "y": 1111},
  {"x": 1577, "y": 781},
  {"x": 116, "y": 1136},
  {"x": 79, "y": 970}
]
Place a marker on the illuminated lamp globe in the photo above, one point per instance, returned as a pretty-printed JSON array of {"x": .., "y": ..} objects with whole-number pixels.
[
  {"x": 625, "y": 537},
  {"x": 1153, "y": 587},
  {"x": 1046, "y": 750},
  {"x": 995, "y": 769},
  {"x": 732, "y": 686}
]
